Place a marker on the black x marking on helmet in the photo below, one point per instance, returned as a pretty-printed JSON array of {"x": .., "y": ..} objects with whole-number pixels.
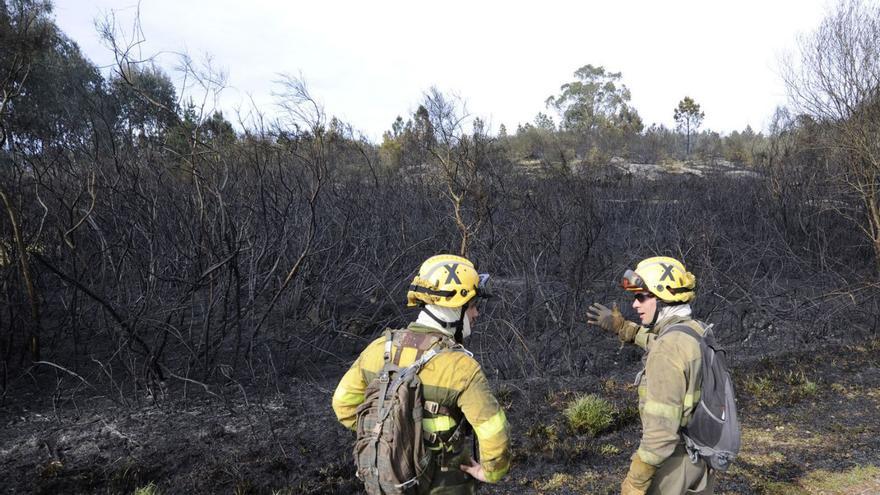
[
  {"x": 451, "y": 275},
  {"x": 667, "y": 272}
]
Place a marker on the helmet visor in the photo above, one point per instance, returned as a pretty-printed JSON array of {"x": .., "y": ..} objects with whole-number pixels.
[{"x": 633, "y": 282}]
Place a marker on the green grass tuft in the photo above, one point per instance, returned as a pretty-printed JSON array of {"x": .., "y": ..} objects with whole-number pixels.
[
  {"x": 150, "y": 489},
  {"x": 777, "y": 388},
  {"x": 609, "y": 450},
  {"x": 860, "y": 479},
  {"x": 591, "y": 414}
]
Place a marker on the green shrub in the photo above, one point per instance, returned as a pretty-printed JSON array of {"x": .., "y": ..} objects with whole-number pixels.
[{"x": 590, "y": 413}]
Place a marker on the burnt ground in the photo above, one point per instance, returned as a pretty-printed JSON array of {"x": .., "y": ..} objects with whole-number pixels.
[{"x": 810, "y": 420}]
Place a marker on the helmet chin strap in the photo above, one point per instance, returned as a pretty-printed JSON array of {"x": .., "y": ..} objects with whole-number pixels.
[
  {"x": 657, "y": 309},
  {"x": 460, "y": 332},
  {"x": 445, "y": 324},
  {"x": 662, "y": 305}
]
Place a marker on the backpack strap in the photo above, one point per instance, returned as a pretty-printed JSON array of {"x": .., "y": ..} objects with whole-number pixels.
[
  {"x": 406, "y": 372},
  {"x": 668, "y": 323},
  {"x": 384, "y": 378},
  {"x": 707, "y": 338},
  {"x": 685, "y": 328},
  {"x": 385, "y": 373}
]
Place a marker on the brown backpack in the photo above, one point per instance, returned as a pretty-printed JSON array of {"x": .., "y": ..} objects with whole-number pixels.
[{"x": 390, "y": 452}]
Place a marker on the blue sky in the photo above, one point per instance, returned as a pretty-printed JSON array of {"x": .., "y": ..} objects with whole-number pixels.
[{"x": 368, "y": 62}]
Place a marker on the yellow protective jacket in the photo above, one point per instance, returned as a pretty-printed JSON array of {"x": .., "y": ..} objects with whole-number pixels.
[
  {"x": 669, "y": 386},
  {"x": 454, "y": 380}
]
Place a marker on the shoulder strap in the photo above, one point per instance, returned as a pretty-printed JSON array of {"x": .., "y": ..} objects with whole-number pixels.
[
  {"x": 401, "y": 376},
  {"x": 703, "y": 331},
  {"x": 706, "y": 340},
  {"x": 385, "y": 374},
  {"x": 685, "y": 328}
]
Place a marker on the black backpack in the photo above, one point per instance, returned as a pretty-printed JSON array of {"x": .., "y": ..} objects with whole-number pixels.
[{"x": 713, "y": 432}]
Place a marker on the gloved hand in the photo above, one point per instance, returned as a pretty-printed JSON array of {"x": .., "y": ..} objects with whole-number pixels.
[
  {"x": 613, "y": 321},
  {"x": 609, "y": 319},
  {"x": 639, "y": 477}
]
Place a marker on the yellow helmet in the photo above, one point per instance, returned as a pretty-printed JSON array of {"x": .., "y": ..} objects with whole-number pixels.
[
  {"x": 445, "y": 280},
  {"x": 662, "y": 276}
]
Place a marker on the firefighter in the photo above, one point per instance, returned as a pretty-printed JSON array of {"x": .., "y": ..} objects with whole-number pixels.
[
  {"x": 457, "y": 395},
  {"x": 669, "y": 384}
]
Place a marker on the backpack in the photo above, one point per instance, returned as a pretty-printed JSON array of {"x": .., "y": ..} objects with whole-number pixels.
[
  {"x": 391, "y": 455},
  {"x": 713, "y": 432}
]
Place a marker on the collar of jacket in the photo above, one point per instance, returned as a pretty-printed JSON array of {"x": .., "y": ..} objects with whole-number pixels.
[{"x": 672, "y": 314}]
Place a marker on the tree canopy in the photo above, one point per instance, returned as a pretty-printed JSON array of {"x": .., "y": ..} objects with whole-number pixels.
[
  {"x": 596, "y": 99},
  {"x": 688, "y": 118}
]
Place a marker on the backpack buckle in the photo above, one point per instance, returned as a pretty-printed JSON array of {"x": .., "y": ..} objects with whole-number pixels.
[
  {"x": 408, "y": 484},
  {"x": 432, "y": 407}
]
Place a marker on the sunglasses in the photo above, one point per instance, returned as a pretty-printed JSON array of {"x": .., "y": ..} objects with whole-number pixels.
[{"x": 642, "y": 296}]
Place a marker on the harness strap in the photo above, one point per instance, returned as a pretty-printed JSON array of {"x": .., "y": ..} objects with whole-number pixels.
[
  {"x": 435, "y": 408},
  {"x": 444, "y": 447}
]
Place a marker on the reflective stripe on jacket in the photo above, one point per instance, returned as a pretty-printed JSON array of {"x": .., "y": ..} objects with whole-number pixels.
[
  {"x": 452, "y": 379},
  {"x": 668, "y": 389}
]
